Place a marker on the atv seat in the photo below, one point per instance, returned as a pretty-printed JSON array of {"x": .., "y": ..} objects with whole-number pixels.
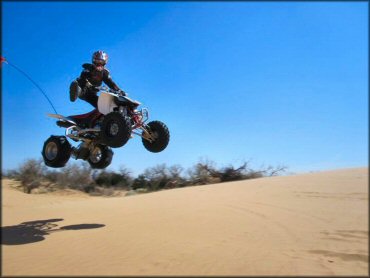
[
  {"x": 85, "y": 120},
  {"x": 126, "y": 101}
]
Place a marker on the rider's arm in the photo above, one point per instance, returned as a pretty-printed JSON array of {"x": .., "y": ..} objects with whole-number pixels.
[
  {"x": 108, "y": 80},
  {"x": 85, "y": 74}
]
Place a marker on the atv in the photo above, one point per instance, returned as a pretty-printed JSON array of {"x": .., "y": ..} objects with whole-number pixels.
[{"x": 111, "y": 125}]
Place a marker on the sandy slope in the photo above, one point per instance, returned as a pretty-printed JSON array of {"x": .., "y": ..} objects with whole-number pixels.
[{"x": 298, "y": 225}]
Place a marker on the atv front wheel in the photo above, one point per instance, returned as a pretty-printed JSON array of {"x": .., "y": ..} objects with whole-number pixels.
[
  {"x": 56, "y": 151},
  {"x": 115, "y": 130},
  {"x": 157, "y": 137},
  {"x": 100, "y": 157}
]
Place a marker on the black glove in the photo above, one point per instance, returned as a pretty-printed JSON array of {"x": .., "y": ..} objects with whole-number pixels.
[
  {"x": 88, "y": 84},
  {"x": 122, "y": 93}
]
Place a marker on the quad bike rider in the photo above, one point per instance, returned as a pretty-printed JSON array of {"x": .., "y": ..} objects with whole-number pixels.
[
  {"x": 115, "y": 119},
  {"x": 85, "y": 87}
]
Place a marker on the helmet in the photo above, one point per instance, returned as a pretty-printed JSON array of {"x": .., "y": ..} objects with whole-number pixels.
[{"x": 99, "y": 58}]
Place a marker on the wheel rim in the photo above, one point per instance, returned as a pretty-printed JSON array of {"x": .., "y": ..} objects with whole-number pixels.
[
  {"x": 153, "y": 136},
  {"x": 51, "y": 151},
  {"x": 113, "y": 129},
  {"x": 96, "y": 155}
]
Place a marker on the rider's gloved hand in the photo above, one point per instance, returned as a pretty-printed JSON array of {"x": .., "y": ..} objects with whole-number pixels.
[
  {"x": 88, "y": 84},
  {"x": 121, "y": 92}
]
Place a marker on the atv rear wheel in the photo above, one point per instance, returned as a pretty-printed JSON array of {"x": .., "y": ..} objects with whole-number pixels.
[
  {"x": 158, "y": 138},
  {"x": 115, "y": 130},
  {"x": 100, "y": 157},
  {"x": 56, "y": 151}
]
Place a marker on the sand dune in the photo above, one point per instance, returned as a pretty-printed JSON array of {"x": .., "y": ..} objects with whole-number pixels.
[{"x": 311, "y": 224}]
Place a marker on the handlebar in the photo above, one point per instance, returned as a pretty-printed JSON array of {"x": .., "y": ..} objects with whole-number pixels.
[
  {"x": 105, "y": 88},
  {"x": 119, "y": 93}
]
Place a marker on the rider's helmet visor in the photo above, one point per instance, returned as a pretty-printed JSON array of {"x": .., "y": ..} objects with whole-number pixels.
[{"x": 99, "y": 62}]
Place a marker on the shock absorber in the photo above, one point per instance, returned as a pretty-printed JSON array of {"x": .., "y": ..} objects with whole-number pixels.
[{"x": 82, "y": 151}]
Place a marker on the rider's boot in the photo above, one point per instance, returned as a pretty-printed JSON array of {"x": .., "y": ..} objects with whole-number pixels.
[{"x": 74, "y": 91}]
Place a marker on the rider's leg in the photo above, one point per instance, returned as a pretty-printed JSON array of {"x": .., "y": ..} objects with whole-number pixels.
[
  {"x": 74, "y": 90},
  {"x": 90, "y": 97}
]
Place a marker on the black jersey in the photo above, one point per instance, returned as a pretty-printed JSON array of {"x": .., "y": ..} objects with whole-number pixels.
[{"x": 95, "y": 77}]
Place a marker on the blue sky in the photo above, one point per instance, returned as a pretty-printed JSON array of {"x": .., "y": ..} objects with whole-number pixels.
[{"x": 270, "y": 82}]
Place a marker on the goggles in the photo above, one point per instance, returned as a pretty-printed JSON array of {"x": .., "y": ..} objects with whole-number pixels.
[{"x": 99, "y": 62}]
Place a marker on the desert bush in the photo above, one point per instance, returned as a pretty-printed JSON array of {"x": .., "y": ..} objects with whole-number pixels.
[
  {"x": 274, "y": 171},
  {"x": 10, "y": 174},
  {"x": 230, "y": 173},
  {"x": 107, "y": 178},
  {"x": 122, "y": 179},
  {"x": 81, "y": 177},
  {"x": 52, "y": 176},
  {"x": 157, "y": 177},
  {"x": 175, "y": 177},
  {"x": 126, "y": 176},
  {"x": 265, "y": 171},
  {"x": 252, "y": 174},
  {"x": 160, "y": 177},
  {"x": 76, "y": 176},
  {"x": 30, "y": 174},
  {"x": 140, "y": 182},
  {"x": 211, "y": 174},
  {"x": 203, "y": 173}
]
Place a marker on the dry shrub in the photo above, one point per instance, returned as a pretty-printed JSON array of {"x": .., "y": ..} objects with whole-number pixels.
[
  {"x": 30, "y": 174},
  {"x": 76, "y": 176},
  {"x": 33, "y": 173}
]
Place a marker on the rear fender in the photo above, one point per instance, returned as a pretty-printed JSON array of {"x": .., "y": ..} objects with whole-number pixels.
[{"x": 60, "y": 117}]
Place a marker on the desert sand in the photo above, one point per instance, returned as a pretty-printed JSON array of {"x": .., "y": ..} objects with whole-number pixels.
[{"x": 307, "y": 224}]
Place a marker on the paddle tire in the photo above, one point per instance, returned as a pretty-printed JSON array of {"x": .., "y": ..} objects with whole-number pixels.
[
  {"x": 100, "y": 157},
  {"x": 115, "y": 130},
  {"x": 160, "y": 135},
  {"x": 56, "y": 151}
]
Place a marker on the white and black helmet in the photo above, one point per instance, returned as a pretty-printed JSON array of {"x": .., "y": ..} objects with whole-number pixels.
[{"x": 99, "y": 58}]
